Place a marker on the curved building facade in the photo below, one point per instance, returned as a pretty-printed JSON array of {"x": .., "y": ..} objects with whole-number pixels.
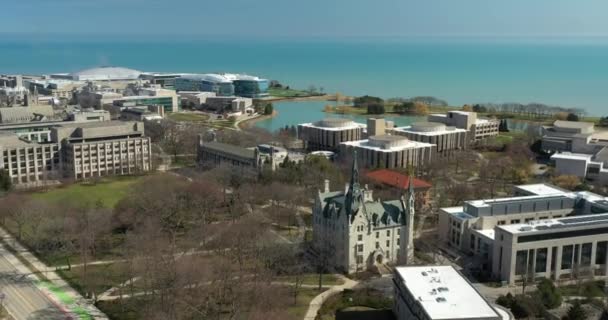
[
  {"x": 445, "y": 138},
  {"x": 329, "y": 133}
]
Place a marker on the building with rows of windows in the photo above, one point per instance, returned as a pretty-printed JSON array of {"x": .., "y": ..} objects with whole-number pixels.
[
  {"x": 353, "y": 232},
  {"x": 543, "y": 231},
  {"x": 76, "y": 151}
]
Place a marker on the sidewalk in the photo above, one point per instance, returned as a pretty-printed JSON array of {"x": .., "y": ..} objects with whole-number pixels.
[
  {"x": 317, "y": 302},
  {"x": 55, "y": 287}
]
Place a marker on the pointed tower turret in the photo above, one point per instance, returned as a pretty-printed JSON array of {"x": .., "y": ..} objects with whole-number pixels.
[
  {"x": 353, "y": 195},
  {"x": 410, "y": 210}
]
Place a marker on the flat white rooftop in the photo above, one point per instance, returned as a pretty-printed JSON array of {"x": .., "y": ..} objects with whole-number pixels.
[
  {"x": 353, "y": 125},
  {"x": 541, "y": 189},
  {"x": 487, "y": 233},
  {"x": 448, "y": 130},
  {"x": 445, "y": 294},
  {"x": 572, "y": 156},
  {"x": 409, "y": 145},
  {"x": 556, "y": 224},
  {"x": 488, "y": 202}
]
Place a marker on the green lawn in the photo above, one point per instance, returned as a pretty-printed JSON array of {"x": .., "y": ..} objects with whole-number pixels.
[
  {"x": 100, "y": 277},
  {"x": 107, "y": 192},
  {"x": 188, "y": 117},
  {"x": 359, "y": 299},
  {"x": 287, "y": 93},
  {"x": 313, "y": 279},
  {"x": 298, "y": 310}
]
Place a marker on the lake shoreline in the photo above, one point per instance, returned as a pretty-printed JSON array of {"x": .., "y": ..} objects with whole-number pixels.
[{"x": 249, "y": 123}]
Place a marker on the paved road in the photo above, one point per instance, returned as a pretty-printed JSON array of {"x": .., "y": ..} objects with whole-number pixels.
[{"x": 23, "y": 300}]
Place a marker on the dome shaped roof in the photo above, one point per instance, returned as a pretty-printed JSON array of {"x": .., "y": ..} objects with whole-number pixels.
[{"x": 106, "y": 73}]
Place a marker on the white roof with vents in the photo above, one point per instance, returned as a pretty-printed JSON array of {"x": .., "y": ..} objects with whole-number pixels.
[
  {"x": 106, "y": 73},
  {"x": 444, "y": 294}
]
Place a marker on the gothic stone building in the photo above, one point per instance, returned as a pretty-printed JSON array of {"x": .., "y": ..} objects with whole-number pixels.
[{"x": 352, "y": 232}]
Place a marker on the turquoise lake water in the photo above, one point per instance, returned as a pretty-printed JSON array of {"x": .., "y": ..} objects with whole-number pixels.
[
  {"x": 566, "y": 73},
  {"x": 293, "y": 113}
]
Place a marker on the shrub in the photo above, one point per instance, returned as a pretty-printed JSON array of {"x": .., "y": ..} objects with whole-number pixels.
[
  {"x": 576, "y": 312},
  {"x": 549, "y": 294}
]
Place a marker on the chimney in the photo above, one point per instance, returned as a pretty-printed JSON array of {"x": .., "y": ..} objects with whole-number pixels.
[{"x": 326, "y": 182}]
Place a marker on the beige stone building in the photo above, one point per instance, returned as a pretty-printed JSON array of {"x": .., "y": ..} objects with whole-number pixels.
[
  {"x": 103, "y": 149},
  {"x": 76, "y": 151},
  {"x": 29, "y": 163},
  {"x": 478, "y": 128},
  {"x": 445, "y": 138},
  {"x": 353, "y": 232}
]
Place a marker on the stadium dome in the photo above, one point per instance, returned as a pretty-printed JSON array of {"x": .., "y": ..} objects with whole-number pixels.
[{"x": 106, "y": 74}]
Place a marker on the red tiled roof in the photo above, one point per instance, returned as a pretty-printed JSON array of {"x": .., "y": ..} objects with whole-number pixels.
[{"x": 396, "y": 179}]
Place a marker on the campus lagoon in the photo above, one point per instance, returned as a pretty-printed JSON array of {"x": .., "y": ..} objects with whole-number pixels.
[{"x": 296, "y": 112}]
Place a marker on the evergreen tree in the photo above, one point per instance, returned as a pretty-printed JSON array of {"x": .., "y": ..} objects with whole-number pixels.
[
  {"x": 572, "y": 117},
  {"x": 268, "y": 109},
  {"x": 549, "y": 294},
  {"x": 576, "y": 312},
  {"x": 5, "y": 180}
]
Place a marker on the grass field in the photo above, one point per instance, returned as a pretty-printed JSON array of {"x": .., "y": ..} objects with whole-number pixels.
[
  {"x": 299, "y": 309},
  {"x": 101, "y": 277},
  {"x": 313, "y": 279},
  {"x": 188, "y": 117},
  {"x": 106, "y": 192},
  {"x": 287, "y": 93}
]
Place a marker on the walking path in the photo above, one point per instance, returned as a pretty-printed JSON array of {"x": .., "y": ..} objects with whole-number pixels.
[
  {"x": 317, "y": 302},
  {"x": 53, "y": 285}
]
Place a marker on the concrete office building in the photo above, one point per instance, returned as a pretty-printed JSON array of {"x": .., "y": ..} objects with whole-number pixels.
[
  {"x": 217, "y": 154},
  {"x": 20, "y": 114},
  {"x": 168, "y": 102},
  {"x": 446, "y": 139},
  {"x": 570, "y": 136},
  {"x": 354, "y": 232},
  {"x": 29, "y": 163},
  {"x": 585, "y": 166},
  {"x": 100, "y": 149},
  {"x": 329, "y": 133},
  {"x": 579, "y": 149},
  {"x": 228, "y": 104},
  {"x": 90, "y": 98},
  {"x": 476, "y": 227},
  {"x": 387, "y": 151},
  {"x": 440, "y": 293},
  {"x": 195, "y": 99},
  {"x": 74, "y": 151},
  {"x": 477, "y": 128},
  {"x": 142, "y": 113},
  {"x": 81, "y": 116}
]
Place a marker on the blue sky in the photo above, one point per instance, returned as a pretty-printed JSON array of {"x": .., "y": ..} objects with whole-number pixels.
[{"x": 304, "y": 18}]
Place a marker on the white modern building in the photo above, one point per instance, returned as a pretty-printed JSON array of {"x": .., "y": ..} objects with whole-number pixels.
[
  {"x": 478, "y": 128},
  {"x": 480, "y": 228},
  {"x": 101, "y": 74},
  {"x": 329, "y": 133},
  {"x": 440, "y": 293},
  {"x": 353, "y": 232},
  {"x": 578, "y": 148},
  {"x": 389, "y": 151},
  {"x": 566, "y": 248},
  {"x": 445, "y": 138}
]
